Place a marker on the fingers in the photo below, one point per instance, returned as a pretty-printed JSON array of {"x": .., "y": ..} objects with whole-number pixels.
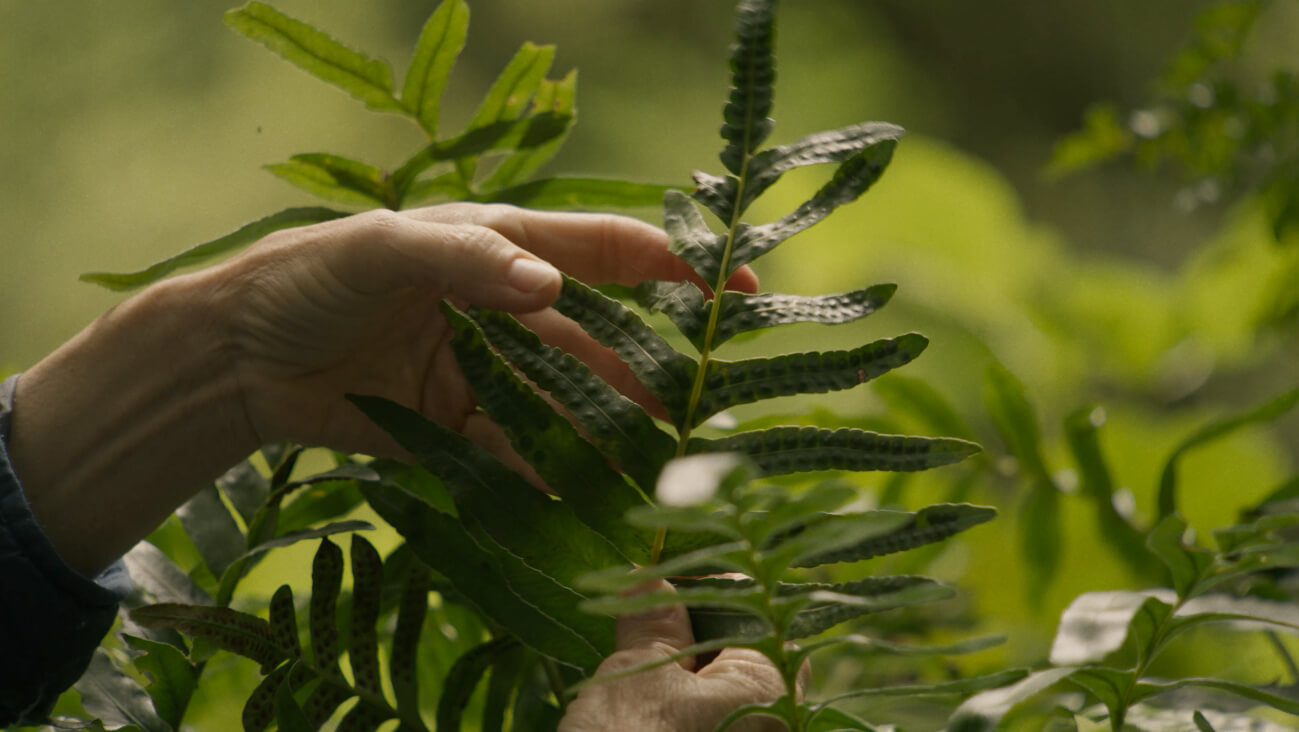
[
  {"x": 595, "y": 248},
  {"x": 665, "y": 629},
  {"x": 383, "y": 250}
]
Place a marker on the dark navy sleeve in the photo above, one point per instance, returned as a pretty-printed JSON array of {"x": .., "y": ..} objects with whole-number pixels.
[{"x": 51, "y": 617}]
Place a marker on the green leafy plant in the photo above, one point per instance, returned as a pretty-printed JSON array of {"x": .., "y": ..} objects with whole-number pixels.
[
  {"x": 1107, "y": 641},
  {"x": 519, "y": 125}
]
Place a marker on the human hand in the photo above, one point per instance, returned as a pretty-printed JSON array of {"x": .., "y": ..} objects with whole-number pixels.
[
  {"x": 675, "y": 697},
  {"x": 353, "y": 306},
  {"x": 162, "y": 393}
]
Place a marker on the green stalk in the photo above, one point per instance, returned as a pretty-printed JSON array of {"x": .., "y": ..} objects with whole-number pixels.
[{"x": 706, "y": 350}]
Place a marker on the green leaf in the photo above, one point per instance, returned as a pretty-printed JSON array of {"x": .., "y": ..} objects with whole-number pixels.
[
  {"x": 920, "y": 401},
  {"x": 728, "y": 557},
  {"x": 742, "y": 313},
  {"x": 241, "y": 633},
  {"x": 824, "y": 605},
  {"x": 446, "y": 187},
  {"x": 781, "y": 450},
  {"x": 523, "y": 133},
  {"x": 729, "y": 383},
  {"x": 326, "y": 583},
  {"x": 443, "y": 543},
  {"x": 690, "y": 238},
  {"x": 579, "y": 193},
  {"x": 1082, "y": 432},
  {"x": 336, "y": 179},
  {"x": 1040, "y": 519},
  {"x": 827, "y": 719},
  {"x": 1216, "y": 430},
  {"x": 961, "y": 687},
  {"x": 617, "y": 425},
  {"x": 903, "y": 531},
  {"x": 1146, "y": 688},
  {"x": 203, "y": 253},
  {"x": 746, "y": 122},
  {"x": 597, "y": 494},
  {"x": 213, "y": 530},
  {"x": 245, "y": 488},
  {"x": 984, "y": 710},
  {"x": 1186, "y": 563},
  {"x": 464, "y": 676},
  {"x": 555, "y": 97},
  {"x": 666, "y": 372},
  {"x": 156, "y": 574},
  {"x": 1201, "y": 723},
  {"x": 116, "y": 698},
  {"x": 363, "y": 641},
  {"x": 289, "y": 717},
  {"x": 259, "y": 709},
  {"x": 284, "y": 621},
  {"x": 1112, "y": 686},
  {"x": 850, "y": 181},
  {"x": 544, "y": 533},
  {"x": 364, "y": 718},
  {"x": 173, "y": 678},
  {"x": 439, "y": 44},
  {"x": 1012, "y": 413},
  {"x": 231, "y": 577},
  {"x": 1097, "y": 623},
  {"x": 510, "y": 93},
  {"x": 365, "y": 78},
  {"x": 405, "y": 640},
  {"x": 323, "y": 701},
  {"x": 506, "y": 673}
]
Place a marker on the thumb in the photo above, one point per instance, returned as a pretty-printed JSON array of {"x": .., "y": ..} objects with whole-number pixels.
[
  {"x": 665, "y": 628},
  {"x": 471, "y": 262}
]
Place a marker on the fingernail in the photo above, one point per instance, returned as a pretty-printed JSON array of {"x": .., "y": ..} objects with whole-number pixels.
[{"x": 530, "y": 275}]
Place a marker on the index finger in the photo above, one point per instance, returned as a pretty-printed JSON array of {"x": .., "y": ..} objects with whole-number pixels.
[{"x": 595, "y": 248}]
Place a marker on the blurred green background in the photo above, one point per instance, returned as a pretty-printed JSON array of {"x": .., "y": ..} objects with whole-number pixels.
[{"x": 136, "y": 129}]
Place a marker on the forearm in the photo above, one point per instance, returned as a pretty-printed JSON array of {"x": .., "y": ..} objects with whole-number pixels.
[{"x": 128, "y": 419}]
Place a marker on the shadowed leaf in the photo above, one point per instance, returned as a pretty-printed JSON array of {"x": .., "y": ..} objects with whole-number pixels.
[
  {"x": 663, "y": 370},
  {"x": 850, "y": 180},
  {"x": 729, "y": 383},
  {"x": 619, "y": 426},
  {"x": 464, "y": 676},
  {"x": 363, "y": 641},
  {"x": 781, "y": 450},
  {"x": 259, "y": 709},
  {"x": 929, "y": 525},
  {"x": 284, "y": 621},
  {"x": 746, "y": 121},
  {"x": 173, "y": 678},
  {"x": 326, "y": 583},
  {"x": 241, "y": 633},
  {"x": 690, "y": 238},
  {"x": 405, "y": 640},
  {"x": 116, "y": 698}
]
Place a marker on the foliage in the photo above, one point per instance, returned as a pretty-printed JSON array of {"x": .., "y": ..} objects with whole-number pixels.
[
  {"x": 513, "y": 591},
  {"x": 1227, "y": 137}
]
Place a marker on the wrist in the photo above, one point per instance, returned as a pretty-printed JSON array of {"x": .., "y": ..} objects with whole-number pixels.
[{"x": 128, "y": 419}]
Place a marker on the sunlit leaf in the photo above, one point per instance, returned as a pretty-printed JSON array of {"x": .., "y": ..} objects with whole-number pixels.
[
  {"x": 112, "y": 696},
  {"x": 510, "y": 134},
  {"x": 510, "y": 94},
  {"x": 1213, "y": 431},
  {"x": 206, "y": 252},
  {"x": 435, "y": 53},
  {"x": 1096, "y": 624},
  {"x": 666, "y": 372},
  {"x": 781, "y": 450},
  {"x": 730, "y": 383},
  {"x": 365, "y": 78},
  {"x": 984, "y": 710},
  {"x": 172, "y": 678},
  {"x": 555, "y": 97},
  {"x": 746, "y": 122}
]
